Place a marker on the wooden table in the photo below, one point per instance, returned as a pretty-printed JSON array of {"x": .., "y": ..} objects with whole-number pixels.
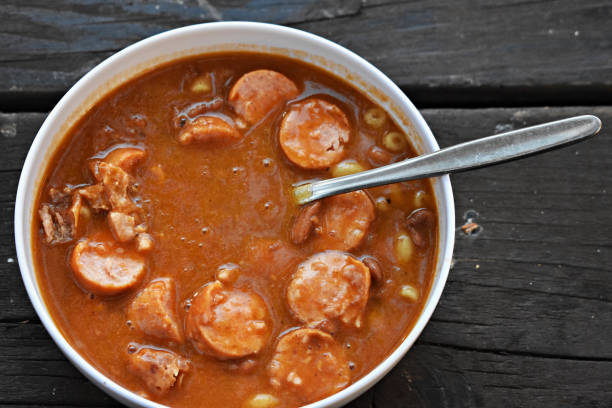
[{"x": 526, "y": 316}]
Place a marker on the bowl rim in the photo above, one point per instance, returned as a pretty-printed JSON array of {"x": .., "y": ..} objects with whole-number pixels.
[{"x": 86, "y": 84}]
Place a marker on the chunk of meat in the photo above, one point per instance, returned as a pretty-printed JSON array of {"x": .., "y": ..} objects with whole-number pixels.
[
  {"x": 104, "y": 268},
  {"x": 419, "y": 224},
  {"x": 310, "y": 363},
  {"x": 227, "y": 323},
  {"x": 60, "y": 221},
  {"x": 205, "y": 129},
  {"x": 158, "y": 369},
  {"x": 95, "y": 197},
  {"x": 59, "y": 196},
  {"x": 144, "y": 242},
  {"x": 314, "y": 133},
  {"x": 345, "y": 221},
  {"x": 57, "y": 227},
  {"x": 116, "y": 183},
  {"x": 126, "y": 158},
  {"x": 306, "y": 219},
  {"x": 122, "y": 226},
  {"x": 57, "y": 224},
  {"x": 258, "y": 92},
  {"x": 153, "y": 310},
  {"x": 329, "y": 286}
]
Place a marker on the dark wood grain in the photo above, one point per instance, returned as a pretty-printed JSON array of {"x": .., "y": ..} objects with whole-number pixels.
[
  {"x": 526, "y": 316},
  {"x": 481, "y": 53}
]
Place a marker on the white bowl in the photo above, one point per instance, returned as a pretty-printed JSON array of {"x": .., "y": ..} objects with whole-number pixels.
[{"x": 202, "y": 39}]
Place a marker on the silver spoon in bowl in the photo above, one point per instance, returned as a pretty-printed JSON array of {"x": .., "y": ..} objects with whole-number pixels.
[{"x": 464, "y": 156}]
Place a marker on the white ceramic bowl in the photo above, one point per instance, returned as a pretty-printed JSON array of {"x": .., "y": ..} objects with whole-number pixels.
[{"x": 202, "y": 39}]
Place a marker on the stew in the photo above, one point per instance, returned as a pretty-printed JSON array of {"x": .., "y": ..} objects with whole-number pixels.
[{"x": 172, "y": 258}]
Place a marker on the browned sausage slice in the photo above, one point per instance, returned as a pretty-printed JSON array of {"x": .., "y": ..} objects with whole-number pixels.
[
  {"x": 345, "y": 221},
  {"x": 105, "y": 268},
  {"x": 310, "y": 363},
  {"x": 158, "y": 369},
  {"x": 226, "y": 322},
  {"x": 313, "y": 134},
  {"x": 205, "y": 129},
  {"x": 153, "y": 310},
  {"x": 258, "y": 92},
  {"x": 126, "y": 157},
  {"x": 328, "y": 287}
]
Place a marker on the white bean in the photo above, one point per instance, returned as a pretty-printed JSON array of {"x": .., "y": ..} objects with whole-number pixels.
[
  {"x": 202, "y": 84},
  {"x": 419, "y": 199},
  {"x": 262, "y": 401},
  {"x": 346, "y": 167},
  {"x": 404, "y": 247},
  {"x": 409, "y": 292}
]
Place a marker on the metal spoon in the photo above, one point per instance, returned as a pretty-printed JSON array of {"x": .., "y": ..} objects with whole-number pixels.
[{"x": 476, "y": 153}]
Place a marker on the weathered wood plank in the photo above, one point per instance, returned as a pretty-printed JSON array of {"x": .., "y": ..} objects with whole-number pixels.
[
  {"x": 526, "y": 314},
  {"x": 544, "y": 247},
  {"x": 17, "y": 131},
  {"x": 433, "y": 376},
  {"x": 502, "y": 52}
]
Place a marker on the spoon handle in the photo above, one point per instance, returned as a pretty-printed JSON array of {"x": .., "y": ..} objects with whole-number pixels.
[{"x": 476, "y": 153}]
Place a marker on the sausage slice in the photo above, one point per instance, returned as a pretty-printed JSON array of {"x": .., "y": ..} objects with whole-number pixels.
[
  {"x": 158, "y": 369},
  {"x": 313, "y": 134},
  {"x": 340, "y": 222},
  {"x": 227, "y": 323},
  {"x": 205, "y": 129},
  {"x": 310, "y": 363},
  {"x": 258, "y": 92},
  {"x": 104, "y": 268},
  {"x": 328, "y": 287},
  {"x": 153, "y": 310},
  {"x": 346, "y": 220}
]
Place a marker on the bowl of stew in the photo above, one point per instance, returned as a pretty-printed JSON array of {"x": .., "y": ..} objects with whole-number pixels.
[{"x": 159, "y": 244}]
